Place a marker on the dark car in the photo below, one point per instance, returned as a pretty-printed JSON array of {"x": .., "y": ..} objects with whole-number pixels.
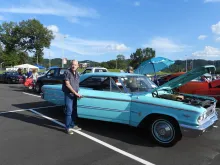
[
  {"x": 11, "y": 77},
  {"x": 53, "y": 76}
]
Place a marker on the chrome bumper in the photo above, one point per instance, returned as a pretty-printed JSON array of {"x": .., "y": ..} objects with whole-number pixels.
[{"x": 195, "y": 131}]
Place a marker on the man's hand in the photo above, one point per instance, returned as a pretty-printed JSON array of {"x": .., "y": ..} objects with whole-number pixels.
[{"x": 78, "y": 95}]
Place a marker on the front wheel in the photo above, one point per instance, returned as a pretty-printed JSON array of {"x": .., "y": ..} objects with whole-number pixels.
[
  {"x": 38, "y": 87},
  {"x": 164, "y": 131}
]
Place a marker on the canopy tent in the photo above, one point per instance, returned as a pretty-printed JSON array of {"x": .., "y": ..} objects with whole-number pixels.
[
  {"x": 53, "y": 67},
  {"x": 26, "y": 66}
]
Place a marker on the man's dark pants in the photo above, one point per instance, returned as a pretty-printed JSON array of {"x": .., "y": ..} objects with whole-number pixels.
[{"x": 70, "y": 110}]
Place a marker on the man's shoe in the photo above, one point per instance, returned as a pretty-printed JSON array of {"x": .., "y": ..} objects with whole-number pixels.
[
  {"x": 77, "y": 128},
  {"x": 70, "y": 131}
]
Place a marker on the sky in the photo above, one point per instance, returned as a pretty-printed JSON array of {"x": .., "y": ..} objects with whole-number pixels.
[{"x": 98, "y": 30}]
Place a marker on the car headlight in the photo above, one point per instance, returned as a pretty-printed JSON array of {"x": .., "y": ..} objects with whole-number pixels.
[{"x": 201, "y": 117}]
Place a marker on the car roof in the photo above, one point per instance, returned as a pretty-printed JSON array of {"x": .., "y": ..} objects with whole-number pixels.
[
  {"x": 95, "y": 67},
  {"x": 108, "y": 74}
]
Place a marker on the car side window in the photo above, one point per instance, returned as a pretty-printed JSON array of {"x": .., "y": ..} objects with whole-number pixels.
[
  {"x": 62, "y": 71},
  {"x": 100, "y": 70},
  {"x": 51, "y": 73},
  {"x": 101, "y": 84}
]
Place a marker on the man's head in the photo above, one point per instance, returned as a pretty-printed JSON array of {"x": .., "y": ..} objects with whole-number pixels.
[
  {"x": 74, "y": 65},
  {"x": 130, "y": 69}
]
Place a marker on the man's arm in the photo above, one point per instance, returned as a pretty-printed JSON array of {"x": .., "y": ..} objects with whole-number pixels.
[{"x": 70, "y": 87}]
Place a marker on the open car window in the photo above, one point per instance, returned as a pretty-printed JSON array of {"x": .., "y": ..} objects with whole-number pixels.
[
  {"x": 102, "y": 84},
  {"x": 138, "y": 84},
  {"x": 100, "y": 70}
]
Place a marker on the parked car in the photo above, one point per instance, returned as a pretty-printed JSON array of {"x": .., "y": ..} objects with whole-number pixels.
[
  {"x": 196, "y": 86},
  {"x": 211, "y": 88},
  {"x": 138, "y": 102},
  {"x": 164, "y": 79},
  {"x": 53, "y": 76},
  {"x": 11, "y": 77},
  {"x": 94, "y": 69}
]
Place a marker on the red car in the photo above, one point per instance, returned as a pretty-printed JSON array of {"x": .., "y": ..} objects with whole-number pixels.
[{"x": 211, "y": 88}]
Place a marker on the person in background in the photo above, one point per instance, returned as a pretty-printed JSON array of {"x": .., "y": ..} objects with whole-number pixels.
[
  {"x": 130, "y": 69},
  {"x": 34, "y": 75},
  {"x": 70, "y": 88}
]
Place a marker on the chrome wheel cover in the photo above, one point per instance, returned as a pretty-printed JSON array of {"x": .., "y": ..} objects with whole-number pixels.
[{"x": 163, "y": 131}]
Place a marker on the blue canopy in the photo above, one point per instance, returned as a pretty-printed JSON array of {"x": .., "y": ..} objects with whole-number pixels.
[
  {"x": 40, "y": 66},
  {"x": 53, "y": 67},
  {"x": 153, "y": 65}
]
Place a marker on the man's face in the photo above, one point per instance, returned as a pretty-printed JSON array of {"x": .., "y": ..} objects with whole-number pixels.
[{"x": 74, "y": 65}]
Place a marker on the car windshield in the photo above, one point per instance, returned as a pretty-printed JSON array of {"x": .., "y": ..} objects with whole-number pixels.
[{"x": 137, "y": 84}]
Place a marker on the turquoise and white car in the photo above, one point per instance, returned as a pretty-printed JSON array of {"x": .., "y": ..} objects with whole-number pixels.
[{"x": 134, "y": 100}]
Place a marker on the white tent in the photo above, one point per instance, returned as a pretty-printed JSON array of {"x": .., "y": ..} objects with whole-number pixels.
[{"x": 26, "y": 66}]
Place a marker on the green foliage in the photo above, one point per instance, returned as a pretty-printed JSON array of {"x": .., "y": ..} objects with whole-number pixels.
[
  {"x": 141, "y": 55},
  {"x": 25, "y": 37}
]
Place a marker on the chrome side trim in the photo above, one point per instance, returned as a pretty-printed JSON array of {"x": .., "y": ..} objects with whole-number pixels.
[
  {"x": 164, "y": 106},
  {"x": 100, "y": 108},
  {"x": 104, "y": 98}
]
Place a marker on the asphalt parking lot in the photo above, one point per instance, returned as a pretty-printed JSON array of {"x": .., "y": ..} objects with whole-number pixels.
[{"x": 32, "y": 133}]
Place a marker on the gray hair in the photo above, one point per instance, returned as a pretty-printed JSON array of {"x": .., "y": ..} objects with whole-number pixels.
[{"x": 74, "y": 61}]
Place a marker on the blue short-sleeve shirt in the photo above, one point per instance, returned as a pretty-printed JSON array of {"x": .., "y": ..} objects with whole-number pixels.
[{"x": 73, "y": 79}]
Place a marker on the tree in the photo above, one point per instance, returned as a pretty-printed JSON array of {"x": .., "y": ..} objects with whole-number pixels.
[
  {"x": 25, "y": 37},
  {"x": 141, "y": 55},
  {"x": 121, "y": 62},
  {"x": 120, "y": 57}
]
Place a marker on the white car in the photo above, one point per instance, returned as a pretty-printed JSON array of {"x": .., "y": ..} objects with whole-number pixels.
[{"x": 94, "y": 69}]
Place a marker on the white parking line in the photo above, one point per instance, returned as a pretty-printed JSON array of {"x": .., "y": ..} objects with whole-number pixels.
[
  {"x": 97, "y": 140},
  {"x": 20, "y": 110},
  {"x": 31, "y": 94}
]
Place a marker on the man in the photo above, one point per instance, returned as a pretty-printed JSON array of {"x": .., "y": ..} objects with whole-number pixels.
[
  {"x": 70, "y": 88},
  {"x": 130, "y": 69}
]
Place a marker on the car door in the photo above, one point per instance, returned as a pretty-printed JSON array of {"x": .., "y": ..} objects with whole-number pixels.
[{"x": 104, "y": 100}]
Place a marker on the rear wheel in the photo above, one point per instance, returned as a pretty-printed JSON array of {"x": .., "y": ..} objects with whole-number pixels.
[{"x": 164, "y": 131}]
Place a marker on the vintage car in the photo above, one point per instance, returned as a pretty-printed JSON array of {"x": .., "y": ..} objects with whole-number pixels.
[
  {"x": 197, "y": 86},
  {"x": 134, "y": 100},
  {"x": 206, "y": 88}
]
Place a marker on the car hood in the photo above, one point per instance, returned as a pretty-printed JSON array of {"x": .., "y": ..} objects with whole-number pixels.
[
  {"x": 215, "y": 83},
  {"x": 183, "y": 79}
]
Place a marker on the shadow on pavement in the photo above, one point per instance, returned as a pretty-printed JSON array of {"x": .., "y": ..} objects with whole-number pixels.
[
  {"x": 33, "y": 105},
  {"x": 96, "y": 128},
  {"x": 32, "y": 119}
]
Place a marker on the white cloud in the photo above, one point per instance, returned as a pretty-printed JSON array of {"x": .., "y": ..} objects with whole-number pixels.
[
  {"x": 218, "y": 39},
  {"x": 137, "y": 3},
  {"x": 51, "y": 7},
  {"x": 202, "y": 37},
  {"x": 207, "y": 1},
  {"x": 208, "y": 52},
  {"x": 2, "y": 18},
  {"x": 216, "y": 28},
  {"x": 165, "y": 45},
  {"x": 84, "y": 46},
  {"x": 53, "y": 28}
]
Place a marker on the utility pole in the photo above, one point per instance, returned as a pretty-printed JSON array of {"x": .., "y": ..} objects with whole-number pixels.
[
  {"x": 49, "y": 60},
  {"x": 63, "y": 51},
  {"x": 186, "y": 63}
]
